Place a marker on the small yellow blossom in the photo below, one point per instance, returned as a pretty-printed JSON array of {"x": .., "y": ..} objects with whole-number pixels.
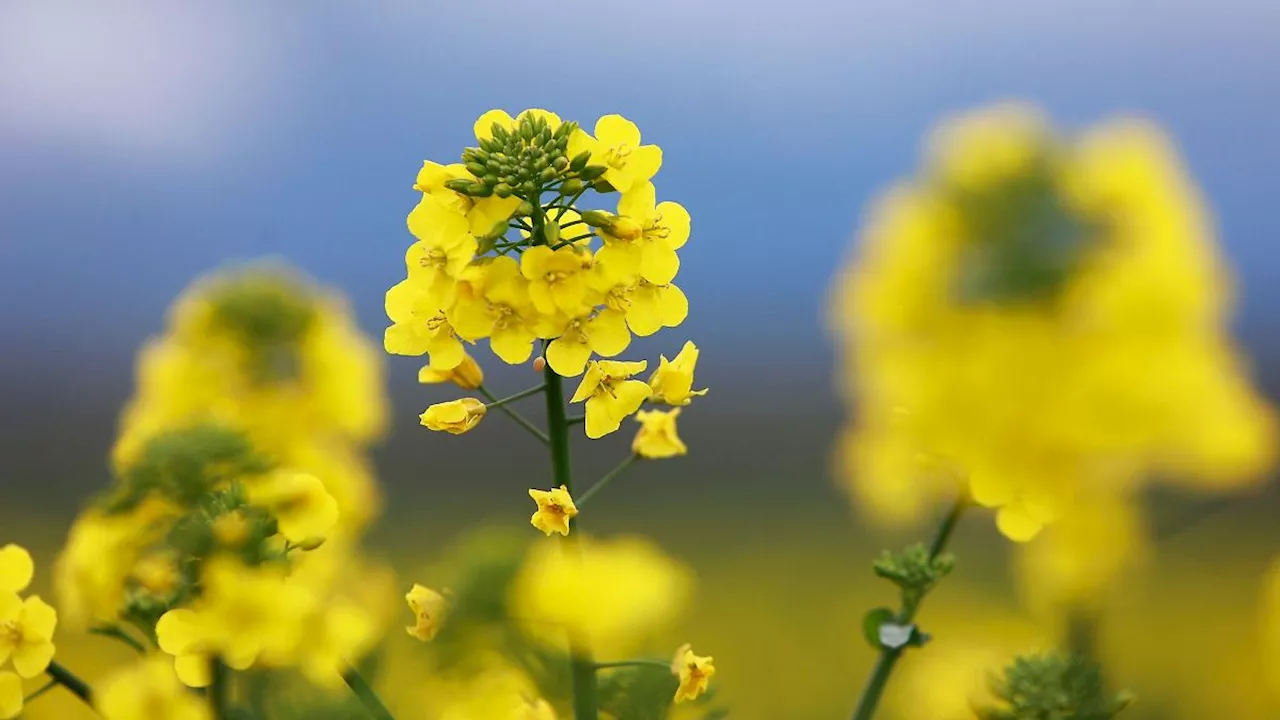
[
  {"x": 444, "y": 248},
  {"x": 652, "y": 307},
  {"x": 555, "y": 510},
  {"x": 610, "y": 394},
  {"x": 657, "y": 437},
  {"x": 231, "y": 529},
  {"x": 643, "y": 238},
  {"x": 604, "y": 333},
  {"x": 149, "y": 689},
  {"x": 418, "y": 326},
  {"x": 695, "y": 673},
  {"x": 466, "y": 375},
  {"x": 428, "y": 608},
  {"x": 672, "y": 382},
  {"x": 26, "y": 633},
  {"x": 502, "y": 312},
  {"x": 16, "y": 568},
  {"x": 454, "y": 416},
  {"x": 557, "y": 282},
  {"x": 157, "y": 574},
  {"x": 303, "y": 508},
  {"x": 616, "y": 145},
  {"x": 11, "y": 695},
  {"x": 481, "y": 213}
]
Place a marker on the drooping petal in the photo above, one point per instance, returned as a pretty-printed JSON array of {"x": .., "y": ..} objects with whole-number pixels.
[
  {"x": 645, "y": 314},
  {"x": 568, "y": 356},
  {"x": 590, "y": 381},
  {"x": 600, "y": 420}
]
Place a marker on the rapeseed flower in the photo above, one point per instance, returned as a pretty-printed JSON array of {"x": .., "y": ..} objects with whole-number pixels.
[
  {"x": 467, "y": 374},
  {"x": 694, "y": 671},
  {"x": 643, "y": 237},
  {"x": 428, "y": 608},
  {"x": 455, "y": 416},
  {"x": 672, "y": 382},
  {"x": 657, "y": 437},
  {"x": 149, "y": 689},
  {"x": 610, "y": 394},
  {"x": 1037, "y": 316},
  {"x": 555, "y": 510},
  {"x": 617, "y": 145}
]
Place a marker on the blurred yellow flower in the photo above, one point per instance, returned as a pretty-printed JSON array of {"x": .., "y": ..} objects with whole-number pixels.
[
  {"x": 455, "y": 416},
  {"x": 156, "y": 573},
  {"x": 672, "y": 382},
  {"x": 610, "y": 593},
  {"x": 466, "y": 374},
  {"x": 617, "y": 145},
  {"x": 695, "y": 673},
  {"x": 428, "y": 608},
  {"x": 231, "y": 529},
  {"x": 91, "y": 573},
  {"x": 555, "y": 510},
  {"x": 610, "y": 394},
  {"x": 303, "y": 508},
  {"x": 149, "y": 689},
  {"x": 1041, "y": 316},
  {"x": 657, "y": 437},
  {"x": 11, "y": 695}
]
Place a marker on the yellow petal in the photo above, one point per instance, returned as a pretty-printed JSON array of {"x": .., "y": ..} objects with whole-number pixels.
[
  {"x": 600, "y": 421},
  {"x": 645, "y": 314},
  {"x": 484, "y": 124},
  {"x": 403, "y": 339},
  {"x": 446, "y": 353},
  {"x": 607, "y": 333},
  {"x": 644, "y": 162},
  {"x": 513, "y": 345},
  {"x": 673, "y": 306},
  {"x": 631, "y": 394},
  {"x": 10, "y": 606},
  {"x": 567, "y": 357},
  {"x": 1017, "y": 524},
  {"x": 30, "y": 659},
  {"x": 590, "y": 381},
  {"x": 179, "y": 630},
  {"x": 38, "y": 619},
  {"x": 677, "y": 221},
  {"x": 10, "y": 696},
  {"x": 638, "y": 202},
  {"x": 16, "y": 568},
  {"x": 579, "y": 142},
  {"x": 659, "y": 263},
  {"x": 617, "y": 130},
  {"x": 193, "y": 670}
]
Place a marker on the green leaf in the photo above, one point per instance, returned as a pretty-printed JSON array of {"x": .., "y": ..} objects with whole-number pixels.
[{"x": 871, "y": 623}]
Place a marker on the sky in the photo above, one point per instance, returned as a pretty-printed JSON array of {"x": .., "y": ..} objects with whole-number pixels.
[{"x": 144, "y": 142}]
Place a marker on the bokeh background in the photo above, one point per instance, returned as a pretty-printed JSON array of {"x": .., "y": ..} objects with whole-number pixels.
[{"x": 144, "y": 143}]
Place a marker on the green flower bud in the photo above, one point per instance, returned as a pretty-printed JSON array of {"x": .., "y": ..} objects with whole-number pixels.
[
  {"x": 502, "y": 190},
  {"x": 526, "y": 130},
  {"x": 476, "y": 169},
  {"x": 459, "y": 185},
  {"x": 548, "y": 174},
  {"x": 309, "y": 544},
  {"x": 603, "y": 186},
  {"x": 540, "y": 163},
  {"x": 480, "y": 190},
  {"x": 598, "y": 218},
  {"x": 499, "y": 133},
  {"x": 572, "y": 186},
  {"x": 489, "y": 180},
  {"x": 498, "y": 230},
  {"x": 560, "y": 163},
  {"x": 524, "y": 209},
  {"x": 580, "y": 161},
  {"x": 551, "y": 231},
  {"x": 474, "y": 155},
  {"x": 591, "y": 172}
]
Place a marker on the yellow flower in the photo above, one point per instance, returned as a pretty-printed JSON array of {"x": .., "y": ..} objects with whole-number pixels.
[
  {"x": 657, "y": 436},
  {"x": 16, "y": 568},
  {"x": 616, "y": 145},
  {"x": 481, "y": 213},
  {"x": 303, "y": 508},
  {"x": 157, "y": 574},
  {"x": 672, "y": 382},
  {"x": 483, "y": 127},
  {"x": 604, "y": 333},
  {"x": 26, "y": 633},
  {"x": 466, "y": 374},
  {"x": 695, "y": 673},
  {"x": 652, "y": 307},
  {"x": 428, "y": 608},
  {"x": 455, "y": 416},
  {"x": 1045, "y": 317},
  {"x": 501, "y": 312},
  {"x": 613, "y": 594},
  {"x": 610, "y": 394},
  {"x": 231, "y": 530},
  {"x": 555, "y": 510},
  {"x": 644, "y": 237},
  {"x": 444, "y": 248},
  {"x": 149, "y": 689},
  {"x": 557, "y": 282},
  {"x": 91, "y": 573},
  {"x": 420, "y": 327},
  {"x": 11, "y": 696}
]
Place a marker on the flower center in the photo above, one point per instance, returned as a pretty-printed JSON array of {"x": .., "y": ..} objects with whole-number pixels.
[
  {"x": 616, "y": 156},
  {"x": 11, "y": 630},
  {"x": 435, "y": 258},
  {"x": 554, "y": 277},
  {"x": 656, "y": 228},
  {"x": 436, "y": 322}
]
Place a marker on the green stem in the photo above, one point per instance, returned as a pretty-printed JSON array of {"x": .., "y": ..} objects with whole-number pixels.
[
  {"x": 889, "y": 656},
  {"x": 576, "y": 419},
  {"x": 615, "y": 472},
  {"x": 633, "y": 663},
  {"x": 583, "y": 668},
  {"x": 219, "y": 689},
  {"x": 118, "y": 633},
  {"x": 518, "y": 396},
  {"x": 40, "y": 691},
  {"x": 520, "y": 419},
  {"x": 71, "y": 682},
  {"x": 366, "y": 695}
]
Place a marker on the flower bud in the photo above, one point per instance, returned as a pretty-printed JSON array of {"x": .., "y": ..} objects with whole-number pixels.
[
  {"x": 548, "y": 174},
  {"x": 524, "y": 209},
  {"x": 580, "y": 161},
  {"x": 551, "y": 231},
  {"x": 597, "y": 218},
  {"x": 309, "y": 544},
  {"x": 560, "y": 163},
  {"x": 502, "y": 190},
  {"x": 625, "y": 228},
  {"x": 475, "y": 155},
  {"x": 459, "y": 185},
  {"x": 454, "y": 417},
  {"x": 498, "y": 230},
  {"x": 572, "y": 186},
  {"x": 591, "y": 172},
  {"x": 539, "y": 364},
  {"x": 476, "y": 169}
]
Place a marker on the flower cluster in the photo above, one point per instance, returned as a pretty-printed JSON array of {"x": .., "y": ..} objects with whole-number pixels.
[
  {"x": 1044, "y": 318},
  {"x": 26, "y": 629}
]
